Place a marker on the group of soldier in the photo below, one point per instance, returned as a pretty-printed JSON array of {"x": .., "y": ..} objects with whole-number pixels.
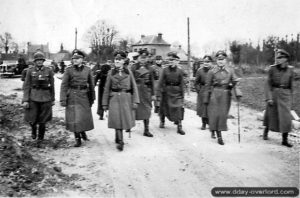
[{"x": 127, "y": 91}]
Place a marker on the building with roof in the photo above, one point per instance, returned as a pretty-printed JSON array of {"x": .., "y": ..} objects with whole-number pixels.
[
  {"x": 155, "y": 44},
  {"x": 62, "y": 55}
]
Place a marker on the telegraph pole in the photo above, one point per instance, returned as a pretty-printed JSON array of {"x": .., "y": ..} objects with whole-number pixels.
[
  {"x": 75, "y": 38},
  {"x": 189, "y": 55}
]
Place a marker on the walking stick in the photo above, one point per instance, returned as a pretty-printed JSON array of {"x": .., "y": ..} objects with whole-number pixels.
[{"x": 238, "y": 111}]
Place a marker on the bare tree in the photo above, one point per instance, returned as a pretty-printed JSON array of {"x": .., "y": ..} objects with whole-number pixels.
[
  {"x": 101, "y": 37},
  {"x": 5, "y": 41}
]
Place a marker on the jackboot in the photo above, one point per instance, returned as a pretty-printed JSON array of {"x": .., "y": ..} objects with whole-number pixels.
[
  {"x": 203, "y": 124},
  {"x": 179, "y": 128},
  {"x": 162, "y": 122},
  {"x": 120, "y": 145},
  {"x": 265, "y": 134},
  {"x": 33, "y": 131},
  {"x": 220, "y": 140},
  {"x": 77, "y": 139},
  {"x": 146, "y": 130},
  {"x": 84, "y": 136},
  {"x": 42, "y": 128},
  {"x": 213, "y": 135},
  {"x": 285, "y": 140},
  {"x": 116, "y": 137}
]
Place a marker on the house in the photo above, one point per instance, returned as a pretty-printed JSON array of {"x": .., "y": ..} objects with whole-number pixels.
[
  {"x": 62, "y": 55},
  {"x": 155, "y": 44},
  {"x": 32, "y": 48}
]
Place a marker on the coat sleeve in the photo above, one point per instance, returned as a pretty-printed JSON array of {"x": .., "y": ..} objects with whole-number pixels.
[
  {"x": 27, "y": 87},
  {"x": 152, "y": 76},
  {"x": 64, "y": 85},
  {"x": 208, "y": 86},
  {"x": 91, "y": 87},
  {"x": 135, "y": 93},
  {"x": 268, "y": 86},
  {"x": 197, "y": 81},
  {"x": 161, "y": 83},
  {"x": 106, "y": 93},
  {"x": 52, "y": 85},
  {"x": 182, "y": 81}
]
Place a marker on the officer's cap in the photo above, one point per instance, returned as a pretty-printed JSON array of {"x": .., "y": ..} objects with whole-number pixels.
[
  {"x": 173, "y": 55},
  {"x": 281, "y": 53},
  {"x": 158, "y": 57},
  {"x": 207, "y": 58},
  {"x": 120, "y": 54},
  {"x": 143, "y": 53},
  {"x": 77, "y": 54},
  {"x": 221, "y": 54},
  {"x": 135, "y": 54},
  {"x": 39, "y": 56}
]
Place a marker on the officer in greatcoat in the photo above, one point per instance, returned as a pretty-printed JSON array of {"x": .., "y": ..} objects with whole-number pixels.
[
  {"x": 77, "y": 94},
  {"x": 100, "y": 75},
  {"x": 120, "y": 97},
  {"x": 38, "y": 96},
  {"x": 200, "y": 80},
  {"x": 220, "y": 81},
  {"x": 157, "y": 72},
  {"x": 144, "y": 77},
  {"x": 170, "y": 93},
  {"x": 279, "y": 94}
]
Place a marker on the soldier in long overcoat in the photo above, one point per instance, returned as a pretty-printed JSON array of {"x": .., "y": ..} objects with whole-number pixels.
[
  {"x": 219, "y": 84},
  {"x": 144, "y": 77},
  {"x": 200, "y": 80},
  {"x": 170, "y": 93},
  {"x": 120, "y": 97},
  {"x": 100, "y": 75},
  {"x": 77, "y": 94},
  {"x": 38, "y": 96},
  {"x": 279, "y": 91},
  {"x": 157, "y": 67}
]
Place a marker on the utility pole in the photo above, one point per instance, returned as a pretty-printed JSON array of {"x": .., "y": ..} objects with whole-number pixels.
[
  {"x": 297, "y": 47},
  {"x": 189, "y": 56},
  {"x": 75, "y": 38}
]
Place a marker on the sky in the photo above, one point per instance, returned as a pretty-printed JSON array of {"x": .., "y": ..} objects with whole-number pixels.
[{"x": 213, "y": 23}]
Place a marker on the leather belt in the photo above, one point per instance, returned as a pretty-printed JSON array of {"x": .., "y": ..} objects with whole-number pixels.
[{"x": 79, "y": 87}]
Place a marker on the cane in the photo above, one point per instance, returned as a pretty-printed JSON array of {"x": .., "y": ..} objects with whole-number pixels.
[{"x": 238, "y": 111}]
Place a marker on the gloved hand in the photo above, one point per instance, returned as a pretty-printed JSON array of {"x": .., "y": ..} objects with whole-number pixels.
[
  {"x": 105, "y": 108},
  {"x": 153, "y": 98},
  {"x": 63, "y": 103},
  {"x": 26, "y": 105},
  {"x": 134, "y": 106},
  {"x": 270, "y": 102}
]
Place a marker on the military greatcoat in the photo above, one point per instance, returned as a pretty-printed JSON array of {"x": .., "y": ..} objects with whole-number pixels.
[
  {"x": 77, "y": 90},
  {"x": 200, "y": 80},
  {"x": 279, "y": 88}
]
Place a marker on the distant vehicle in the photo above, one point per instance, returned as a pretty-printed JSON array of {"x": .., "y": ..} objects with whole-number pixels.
[{"x": 10, "y": 68}]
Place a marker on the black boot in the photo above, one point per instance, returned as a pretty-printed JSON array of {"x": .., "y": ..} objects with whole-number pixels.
[
  {"x": 84, "y": 136},
  {"x": 101, "y": 116},
  {"x": 220, "y": 140},
  {"x": 33, "y": 131},
  {"x": 116, "y": 137},
  {"x": 213, "y": 135},
  {"x": 146, "y": 130},
  {"x": 162, "y": 122},
  {"x": 179, "y": 128},
  {"x": 42, "y": 128},
  {"x": 77, "y": 139},
  {"x": 285, "y": 140},
  {"x": 265, "y": 134},
  {"x": 120, "y": 145},
  {"x": 203, "y": 124}
]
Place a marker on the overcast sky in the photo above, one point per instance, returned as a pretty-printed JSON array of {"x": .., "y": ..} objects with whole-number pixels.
[{"x": 212, "y": 22}]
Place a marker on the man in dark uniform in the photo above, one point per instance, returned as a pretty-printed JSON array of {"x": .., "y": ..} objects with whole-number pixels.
[
  {"x": 219, "y": 83},
  {"x": 170, "y": 92},
  {"x": 38, "y": 96},
  {"x": 144, "y": 77},
  {"x": 200, "y": 80},
  {"x": 279, "y": 91},
  {"x": 77, "y": 94},
  {"x": 157, "y": 72},
  {"x": 100, "y": 75}
]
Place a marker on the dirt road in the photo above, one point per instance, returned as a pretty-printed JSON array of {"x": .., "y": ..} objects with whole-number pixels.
[{"x": 171, "y": 165}]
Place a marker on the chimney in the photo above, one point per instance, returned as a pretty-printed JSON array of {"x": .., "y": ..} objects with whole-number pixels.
[{"x": 159, "y": 36}]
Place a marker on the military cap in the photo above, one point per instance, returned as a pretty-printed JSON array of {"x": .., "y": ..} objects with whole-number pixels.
[
  {"x": 207, "y": 57},
  {"x": 143, "y": 53},
  {"x": 39, "y": 56},
  {"x": 158, "y": 57},
  {"x": 281, "y": 53},
  {"x": 173, "y": 55},
  {"x": 221, "y": 54},
  {"x": 120, "y": 54},
  {"x": 77, "y": 54}
]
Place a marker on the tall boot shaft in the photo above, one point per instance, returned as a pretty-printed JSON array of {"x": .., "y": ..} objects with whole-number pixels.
[
  {"x": 116, "y": 136},
  {"x": 146, "y": 131},
  {"x": 285, "y": 140},
  {"x": 120, "y": 145},
  {"x": 179, "y": 128},
  {"x": 42, "y": 129},
  {"x": 84, "y": 136},
  {"x": 77, "y": 139},
  {"x": 220, "y": 139},
  {"x": 162, "y": 121},
  {"x": 265, "y": 134},
  {"x": 203, "y": 124},
  {"x": 33, "y": 131}
]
